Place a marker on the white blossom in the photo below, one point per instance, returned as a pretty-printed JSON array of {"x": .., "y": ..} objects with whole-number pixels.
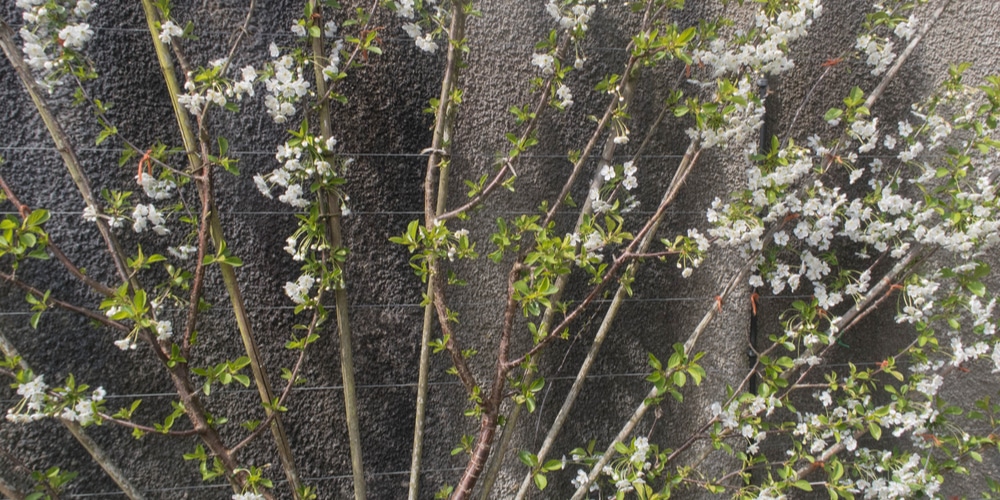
[
  {"x": 170, "y": 30},
  {"x": 74, "y": 36},
  {"x": 299, "y": 290},
  {"x": 426, "y": 43},
  {"x": 545, "y": 62}
]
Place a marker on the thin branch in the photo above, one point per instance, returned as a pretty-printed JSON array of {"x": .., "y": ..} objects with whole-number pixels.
[
  {"x": 198, "y": 280},
  {"x": 357, "y": 49},
  {"x": 179, "y": 372},
  {"x": 62, "y": 143},
  {"x": 10, "y": 491},
  {"x": 96, "y": 452},
  {"x": 288, "y": 386},
  {"x": 146, "y": 428},
  {"x": 329, "y": 207},
  {"x": 98, "y": 317},
  {"x": 443, "y": 125},
  {"x": 465, "y": 374},
  {"x": 646, "y": 239},
  {"x": 508, "y": 164}
]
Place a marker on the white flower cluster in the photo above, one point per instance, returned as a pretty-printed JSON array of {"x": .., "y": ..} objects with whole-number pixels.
[
  {"x": 296, "y": 170},
  {"x": 982, "y": 315},
  {"x": 905, "y": 30},
  {"x": 879, "y": 51},
  {"x": 626, "y": 476},
  {"x": 404, "y": 9},
  {"x": 592, "y": 244},
  {"x": 911, "y": 420},
  {"x": 33, "y": 401},
  {"x": 144, "y": 215},
  {"x": 581, "y": 479},
  {"x": 629, "y": 170},
  {"x": 92, "y": 213},
  {"x": 866, "y": 132},
  {"x": 195, "y": 98},
  {"x": 284, "y": 87},
  {"x": 545, "y": 62},
  {"x": 733, "y": 228},
  {"x": 170, "y": 30},
  {"x": 182, "y": 252},
  {"x": 962, "y": 353},
  {"x": 729, "y": 417},
  {"x": 688, "y": 265},
  {"x": 83, "y": 411},
  {"x": 164, "y": 330},
  {"x": 299, "y": 290},
  {"x": 904, "y": 480},
  {"x": 126, "y": 344},
  {"x": 565, "y": 96},
  {"x": 247, "y": 496},
  {"x": 75, "y": 36},
  {"x": 49, "y": 29},
  {"x": 425, "y": 42},
  {"x": 155, "y": 188},
  {"x": 248, "y": 75},
  {"x": 575, "y": 18},
  {"x": 600, "y": 206},
  {"x": 768, "y": 54},
  {"x": 737, "y": 126}
]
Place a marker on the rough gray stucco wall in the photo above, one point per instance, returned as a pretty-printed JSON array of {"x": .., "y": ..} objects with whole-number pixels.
[{"x": 384, "y": 116}]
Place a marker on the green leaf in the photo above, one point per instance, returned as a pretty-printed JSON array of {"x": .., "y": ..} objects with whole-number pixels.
[
  {"x": 105, "y": 134},
  {"x": 38, "y": 217},
  {"x": 875, "y": 430},
  {"x": 540, "y": 481},
  {"x": 553, "y": 464},
  {"x": 315, "y": 32},
  {"x": 833, "y": 114},
  {"x": 527, "y": 458},
  {"x": 836, "y": 471},
  {"x": 622, "y": 449},
  {"x": 803, "y": 485}
]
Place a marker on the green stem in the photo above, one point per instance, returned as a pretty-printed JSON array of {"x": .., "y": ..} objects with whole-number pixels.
[
  {"x": 228, "y": 272},
  {"x": 440, "y": 149},
  {"x": 331, "y": 213}
]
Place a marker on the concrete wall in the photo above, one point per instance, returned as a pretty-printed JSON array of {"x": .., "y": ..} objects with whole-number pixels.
[{"x": 383, "y": 125}]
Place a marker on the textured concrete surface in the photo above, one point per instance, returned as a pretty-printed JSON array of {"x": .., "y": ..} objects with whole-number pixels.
[{"x": 384, "y": 125}]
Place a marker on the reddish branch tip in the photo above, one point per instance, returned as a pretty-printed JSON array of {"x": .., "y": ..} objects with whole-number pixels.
[
  {"x": 144, "y": 161},
  {"x": 832, "y": 62}
]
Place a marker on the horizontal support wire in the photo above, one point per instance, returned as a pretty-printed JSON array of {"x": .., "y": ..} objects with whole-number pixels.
[
  {"x": 528, "y": 48},
  {"x": 327, "y": 388},
  {"x": 358, "y": 154},
  {"x": 374, "y": 305},
  {"x": 334, "y": 477},
  {"x": 381, "y": 213},
  {"x": 371, "y": 154}
]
